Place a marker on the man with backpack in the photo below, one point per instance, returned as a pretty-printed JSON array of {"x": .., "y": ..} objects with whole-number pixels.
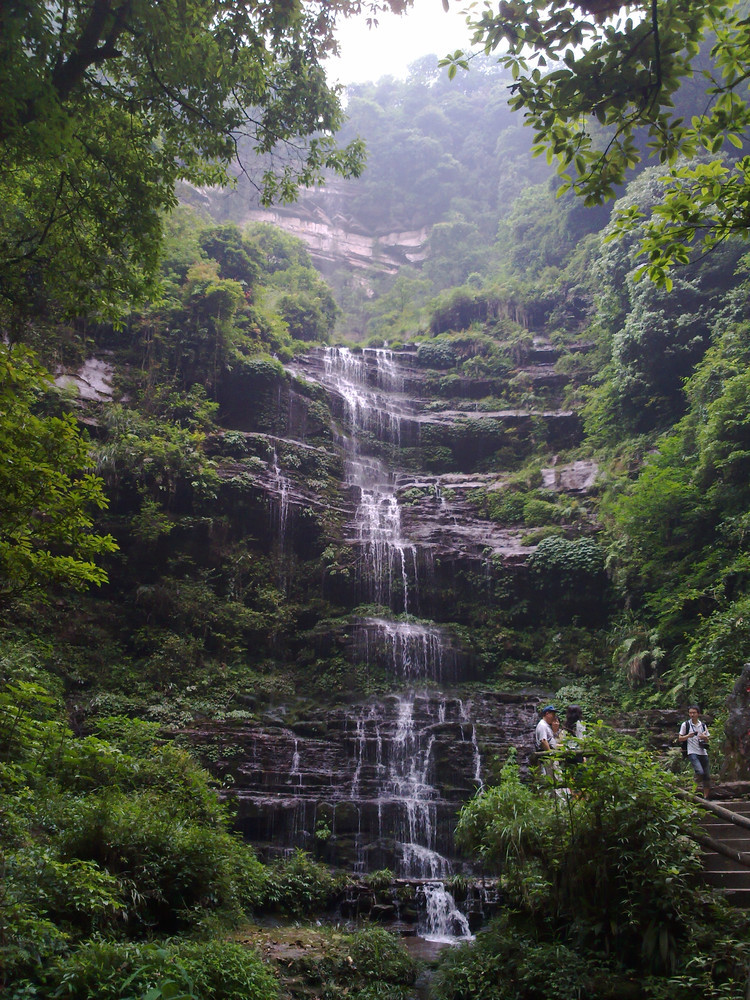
[{"x": 694, "y": 738}]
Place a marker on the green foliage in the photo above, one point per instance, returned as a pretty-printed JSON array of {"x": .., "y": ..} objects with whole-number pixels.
[
  {"x": 238, "y": 258},
  {"x": 47, "y": 493},
  {"x": 159, "y": 455},
  {"x": 505, "y": 962},
  {"x": 598, "y": 85},
  {"x": 232, "y": 296},
  {"x": 215, "y": 970},
  {"x": 436, "y": 354},
  {"x": 506, "y": 823},
  {"x": 569, "y": 576},
  {"x": 304, "y": 318},
  {"x": 299, "y": 886},
  {"x": 180, "y": 869},
  {"x": 654, "y": 338},
  {"x": 90, "y": 168},
  {"x": 680, "y": 534},
  {"x": 569, "y": 562},
  {"x": 457, "y": 310},
  {"x": 117, "y": 838},
  {"x": 462, "y": 158},
  {"x": 381, "y": 879},
  {"x": 661, "y": 511},
  {"x": 719, "y": 644},
  {"x": 379, "y": 954},
  {"x": 603, "y": 869}
]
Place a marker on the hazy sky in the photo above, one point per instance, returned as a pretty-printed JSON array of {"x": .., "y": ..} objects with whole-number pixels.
[{"x": 388, "y": 49}]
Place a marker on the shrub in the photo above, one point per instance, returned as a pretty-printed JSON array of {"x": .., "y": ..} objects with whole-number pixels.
[
  {"x": 226, "y": 970},
  {"x": 608, "y": 871},
  {"x": 537, "y": 536},
  {"x": 569, "y": 578},
  {"x": 174, "y": 869},
  {"x": 383, "y": 991},
  {"x": 233, "y": 444},
  {"x": 214, "y": 970},
  {"x": 504, "y": 964},
  {"x": 298, "y": 885},
  {"x": 567, "y": 563},
  {"x": 78, "y": 895},
  {"x": 378, "y": 954},
  {"x": 380, "y": 879},
  {"x": 436, "y": 354},
  {"x": 537, "y": 513}
]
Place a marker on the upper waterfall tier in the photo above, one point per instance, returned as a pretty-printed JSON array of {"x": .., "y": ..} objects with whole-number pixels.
[{"x": 380, "y": 397}]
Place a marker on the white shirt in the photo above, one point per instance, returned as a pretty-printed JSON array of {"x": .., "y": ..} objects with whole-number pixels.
[
  {"x": 544, "y": 732},
  {"x": 694, "y": 745}
]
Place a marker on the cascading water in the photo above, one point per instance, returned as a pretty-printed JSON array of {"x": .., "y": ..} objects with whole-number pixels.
[
  {"x": 281, "y": 488},
  {"x": 388, "y": 562},
  {"x": 376, "y": 415},
  {"x": 442, "y": 921},
  {"x": 375, "y": 785},
  {"x": 367, "y": 385},
  {"x": 410, "y": 651}
]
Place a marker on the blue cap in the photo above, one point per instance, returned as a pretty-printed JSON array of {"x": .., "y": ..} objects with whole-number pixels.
[{"x": 548, "y": 708}]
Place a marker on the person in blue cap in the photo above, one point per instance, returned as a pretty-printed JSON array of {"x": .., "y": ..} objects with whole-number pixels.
[{"x": 544, "y": 734}]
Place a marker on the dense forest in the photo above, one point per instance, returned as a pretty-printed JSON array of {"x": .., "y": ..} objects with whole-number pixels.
[{"x": 272, "y": 523}]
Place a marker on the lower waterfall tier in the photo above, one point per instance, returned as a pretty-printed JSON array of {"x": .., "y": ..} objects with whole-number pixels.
[{"x": 369, "y": 786}]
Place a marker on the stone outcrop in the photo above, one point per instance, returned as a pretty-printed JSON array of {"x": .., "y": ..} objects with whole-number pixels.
[
  {"x": 335, "y": 241},
  {"x": 92, "y": 381}
]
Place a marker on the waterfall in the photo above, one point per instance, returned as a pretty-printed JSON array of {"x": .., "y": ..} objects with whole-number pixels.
[
  {"x": 442, "y": 919},
  {"x": 387, "y": 559},
  {"x": 366, "y": 383},
  {"x": 281, "y": 487},
  {"x": 411, "y": 651},
  {"x": 281, "y": 484},
  {"x": 295, "y": 771},
  {"x": 465, "y": 711},
  {"x": 408, "y": 784},
  {"x": 367, "y": 410},
  {"x": 388, "y": 775},
  {"x": 377, "y": 417}
]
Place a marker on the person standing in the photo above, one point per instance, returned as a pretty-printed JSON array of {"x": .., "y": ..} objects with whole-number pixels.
[
  {"x": 695, "y": 733},
  {"x": 573, "y": 725},
  {"x": 544, "y": 734},
  {"x": 555, "y": 726}
]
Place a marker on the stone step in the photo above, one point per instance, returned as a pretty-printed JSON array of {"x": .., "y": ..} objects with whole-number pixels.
[
  {"x": 739, "y": 897},
  {"x": 732, "y": 841},
  {"x": 719, "y": 862},
  {"x": 728, "y": 880},
  {"x": 719, "y": 871},
  {"x": 741, "y": 806},
  {"x": 713, "y": 822}
]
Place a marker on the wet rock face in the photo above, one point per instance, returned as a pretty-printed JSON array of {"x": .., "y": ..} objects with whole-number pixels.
[
  {"x": 351, "y": 450},
  {"x": 93, "y": 380},
  {"x": 737, "y": 748},
  {"x": 372, "y": 786}
]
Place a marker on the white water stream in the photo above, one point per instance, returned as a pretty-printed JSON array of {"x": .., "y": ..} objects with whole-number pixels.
[{"x": 397, "y": 764}]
